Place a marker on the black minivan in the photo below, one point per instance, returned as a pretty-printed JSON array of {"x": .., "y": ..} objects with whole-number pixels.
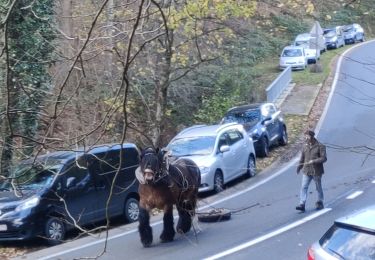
[{"x": 55, "y": 192}]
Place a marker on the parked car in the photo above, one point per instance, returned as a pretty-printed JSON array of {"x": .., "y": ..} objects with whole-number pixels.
[
  {"x": 293, "y": 56},
  {"x": 353, "y": 33},
  {"x": 222, "y": 153},
  {"x": 350, "y": 237},
  {"x": 46, "y": 195},
  {"x": 334, "y": 37},
  {"x": 263, "y": 122},
  {"x": 307, "y": 42}
]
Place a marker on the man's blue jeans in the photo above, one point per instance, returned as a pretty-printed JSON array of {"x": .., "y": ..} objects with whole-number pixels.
[{"x": 306, "y": 179}]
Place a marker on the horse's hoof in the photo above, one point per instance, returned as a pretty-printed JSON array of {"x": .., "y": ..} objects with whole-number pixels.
[
  {"x": 166, "y": 239},
  {"x": 146, "y": 244}
]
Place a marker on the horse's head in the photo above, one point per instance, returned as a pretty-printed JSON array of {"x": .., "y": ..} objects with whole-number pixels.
[{"x": 151, "y": 164}]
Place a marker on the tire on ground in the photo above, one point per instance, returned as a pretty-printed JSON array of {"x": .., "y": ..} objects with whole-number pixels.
[{"x": 215, "y": 215}]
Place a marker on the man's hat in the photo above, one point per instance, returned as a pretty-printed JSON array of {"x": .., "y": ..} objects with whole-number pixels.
[{"x": 310, "y": 133}]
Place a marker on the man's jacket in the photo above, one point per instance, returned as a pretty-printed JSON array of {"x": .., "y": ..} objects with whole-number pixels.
[{"x": 316, "y": 153}]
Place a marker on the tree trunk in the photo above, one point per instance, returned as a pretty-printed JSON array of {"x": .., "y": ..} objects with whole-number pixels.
[{"x": 161, "y": 90}]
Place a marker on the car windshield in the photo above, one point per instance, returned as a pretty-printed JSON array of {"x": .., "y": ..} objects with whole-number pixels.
[
  {"x": 200, "y": 145},
  {"x": 30, "y": 176},
  {"x": 329, "y": 34},
  {"x": 251, "y": 116},
  {"x": 292, "y": 53},
  {"x": 348, "y": 243},
  {"x": 302, "y": 43},
  {"x": 348, "y": 29}
]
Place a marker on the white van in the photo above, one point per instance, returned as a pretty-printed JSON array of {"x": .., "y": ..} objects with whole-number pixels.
[{"x": 313, "y": 46}]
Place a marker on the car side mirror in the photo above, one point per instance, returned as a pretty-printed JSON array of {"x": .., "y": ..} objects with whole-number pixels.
[
  {"x": 264, "y": 121},
  {"x": 70, "y": 182},
  {"x": 224, "y": 148}
]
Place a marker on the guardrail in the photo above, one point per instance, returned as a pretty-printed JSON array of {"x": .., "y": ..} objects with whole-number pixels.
[{"x": 279, "y": 84}]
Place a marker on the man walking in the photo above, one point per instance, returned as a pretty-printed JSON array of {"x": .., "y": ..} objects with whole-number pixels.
[{"x": 311, "y": 162}]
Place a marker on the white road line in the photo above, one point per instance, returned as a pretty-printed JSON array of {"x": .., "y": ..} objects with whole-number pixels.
[
  {"x": 354, "y": 195},
  {"x": 269, "y": 235},
  {"x": 373, "y": 181}
]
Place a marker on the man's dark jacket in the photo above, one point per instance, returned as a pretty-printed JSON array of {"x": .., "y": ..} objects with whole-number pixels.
[{"x": 315, "y": 152}]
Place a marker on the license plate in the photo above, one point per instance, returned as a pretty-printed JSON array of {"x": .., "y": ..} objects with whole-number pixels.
[{"x": 3, "y": 228}]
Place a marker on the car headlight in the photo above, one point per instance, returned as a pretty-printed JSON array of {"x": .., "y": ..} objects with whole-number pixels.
[
  {"x": 204, "y": 169},
  {"x": 29, "y": 203}
]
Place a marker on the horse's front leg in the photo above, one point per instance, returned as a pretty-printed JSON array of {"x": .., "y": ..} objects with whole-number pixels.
[
  {"x": 185, "y": 212},
  {"x": 168, "y": 226},
  {"x": 144, "y": 228}
]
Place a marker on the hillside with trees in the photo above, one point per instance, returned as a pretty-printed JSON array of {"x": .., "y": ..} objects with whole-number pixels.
[{"x": 80, "y": 73}]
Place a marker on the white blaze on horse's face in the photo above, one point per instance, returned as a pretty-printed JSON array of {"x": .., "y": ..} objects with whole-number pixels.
[{"x": 148, "y": 174}]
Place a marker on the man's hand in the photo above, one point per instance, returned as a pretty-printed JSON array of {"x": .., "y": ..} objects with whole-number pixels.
[{"x": 310, "y": 162}]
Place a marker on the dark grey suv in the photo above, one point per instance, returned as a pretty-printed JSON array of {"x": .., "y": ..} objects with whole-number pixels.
[
  {"x": 263, "y": 122},
  {"x": 52, "y": 193}
]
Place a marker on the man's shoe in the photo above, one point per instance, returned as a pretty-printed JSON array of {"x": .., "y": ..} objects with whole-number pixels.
[
  {"x": 319, "y": 205},
  {"x": 301, "y": 207}
]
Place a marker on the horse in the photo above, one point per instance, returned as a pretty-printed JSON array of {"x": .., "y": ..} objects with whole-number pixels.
[{"x": 162, "y": 184}]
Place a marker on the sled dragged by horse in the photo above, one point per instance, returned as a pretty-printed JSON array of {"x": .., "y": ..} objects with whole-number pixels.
[{"x": 164, "y": 183}]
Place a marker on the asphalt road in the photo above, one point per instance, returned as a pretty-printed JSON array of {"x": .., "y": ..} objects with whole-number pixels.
[{"x": 264, "y": 223}]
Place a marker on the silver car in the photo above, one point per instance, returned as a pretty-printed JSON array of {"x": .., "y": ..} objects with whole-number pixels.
[
  {"x": 353, "y": 33},
  {"x": 350, "y": 237},
  {"x": 222, "y": 152},
  {"x": 305, "y": 40},
  {"x": 293, "y": 56},
  {"x": 334, "y": 37}
]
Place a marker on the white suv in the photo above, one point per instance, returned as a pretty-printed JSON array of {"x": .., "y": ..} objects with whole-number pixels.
[{"x": 222, "y": 153}]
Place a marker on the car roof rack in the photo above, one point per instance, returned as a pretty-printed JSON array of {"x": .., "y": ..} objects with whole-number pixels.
[
  {"x": 225, "y": 126},
  {"x": 190, "y": 127}
]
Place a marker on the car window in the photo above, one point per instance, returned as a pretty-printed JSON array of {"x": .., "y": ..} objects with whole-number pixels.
[
  {"x": 234, "y": 136},
  {"x": 292, "y": 53},
  {"x": 348, "y": 29},
  {"x": 130, "y": 158},
  {"x": 104, "y": 162},
  {"x": 32, "y": 176},
  {"x": 349, "y": 243},
  {"x": 223, "y": 140},
  {"x": 268, "y": 110},
  {"x": 80, "y": 174}
]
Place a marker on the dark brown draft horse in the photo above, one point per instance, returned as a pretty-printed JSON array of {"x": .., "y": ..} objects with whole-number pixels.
[{"x": 162, "y": 185}]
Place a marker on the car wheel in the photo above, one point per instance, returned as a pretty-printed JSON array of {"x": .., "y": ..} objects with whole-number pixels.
[
  {"x": 54, "y": 231},
  {"x": 363, "y": 38},
  {"x": 131, "y": 210},
  {"x": 218, "y": 182},
  {"x": 214, "y": 215},
  {"x": 284, "y": 137},
  {"x": 264, "y": 148},
  {"x": 251, "y": 166}
]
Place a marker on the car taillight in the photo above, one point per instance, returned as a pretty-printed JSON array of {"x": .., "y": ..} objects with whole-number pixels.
[{"x": 310, "y": 254}]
